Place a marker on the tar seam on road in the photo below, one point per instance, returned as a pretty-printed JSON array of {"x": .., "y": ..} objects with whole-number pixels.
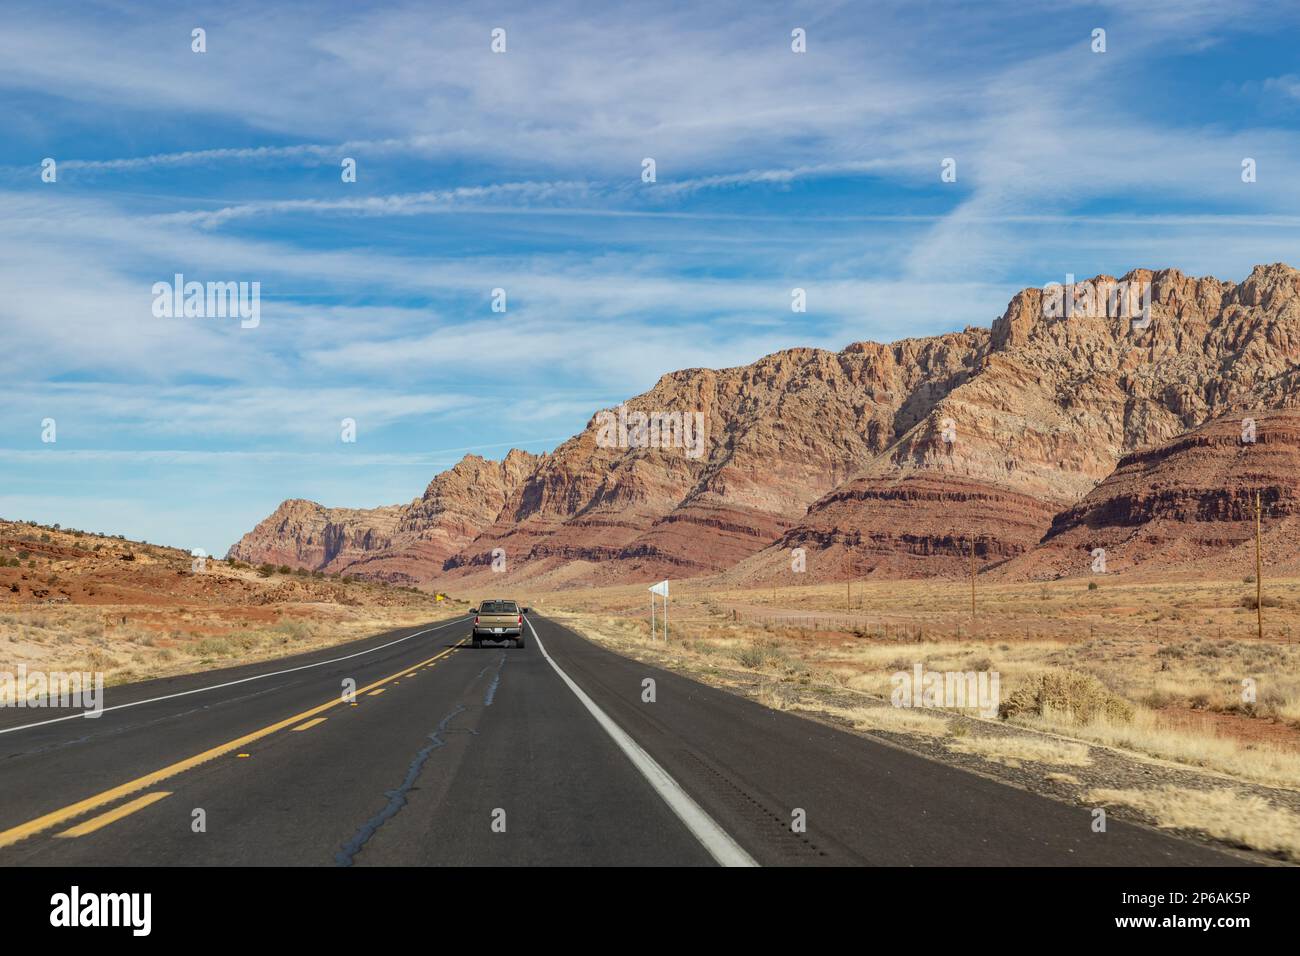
[
  {"x": 396, "y": 798},
  {"x": 232, "y": 683},
  {"x": 720, "y": 844},
  {"x": 491, "y": 693}
]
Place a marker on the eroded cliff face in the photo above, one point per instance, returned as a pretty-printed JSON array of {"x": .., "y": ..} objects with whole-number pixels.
[
  {"x": 1186, "y": 505},
  {"x": 776, "y": 435},
  {"x": 402, "y": 543},
  {"x": 1052, "y": 407},
  {"x": 880, "y": 459},
  {"x": 304, "y": 534}
]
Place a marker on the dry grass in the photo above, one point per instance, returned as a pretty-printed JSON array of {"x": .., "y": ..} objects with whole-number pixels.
[
  {"x": 1086, "y": 673},
  {"x": 894, "y": 719},
  {"x": 1246, "y": 820},
  {"x": 157, "y": 642},
  {"x": 72, "y": 600},
  {"x": 1089, "y": 669},
  {"x": 1012, "y": 749},
  {"x": 1148, "y": 734},
  {"x": 770, "y": 695}
]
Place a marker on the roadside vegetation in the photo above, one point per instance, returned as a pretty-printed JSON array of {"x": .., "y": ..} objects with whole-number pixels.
[
  {"x": 75, "y": 601},
  {"x": 1189, "y": 714}
]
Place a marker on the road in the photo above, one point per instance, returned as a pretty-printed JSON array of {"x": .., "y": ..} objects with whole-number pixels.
[{"x": 542, "y": 755}]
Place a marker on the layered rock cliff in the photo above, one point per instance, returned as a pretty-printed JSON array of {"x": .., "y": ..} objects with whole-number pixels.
[
  {"x": 890, "y": 460},
  {"x": 401, "y": 543}
]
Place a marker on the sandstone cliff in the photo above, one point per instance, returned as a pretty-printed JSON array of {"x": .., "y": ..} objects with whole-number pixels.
[
  {"x": 877, "y": 460},
  {"x": 402, "y": 543}
]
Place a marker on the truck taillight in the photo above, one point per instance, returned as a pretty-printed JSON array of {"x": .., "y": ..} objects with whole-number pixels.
[
  {"x": 521, "y": 619},
  {"x": 475, "y": 618}
]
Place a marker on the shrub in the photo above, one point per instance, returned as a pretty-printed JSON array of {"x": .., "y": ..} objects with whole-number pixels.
[
  {"x": 212, "y": 647},
  {"x": 1160, "y": 698},
  {"x": 1080, "y": 696}
]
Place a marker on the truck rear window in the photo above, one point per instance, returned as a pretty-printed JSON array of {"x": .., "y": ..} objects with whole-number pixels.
[{"x": 499, "y": 607}]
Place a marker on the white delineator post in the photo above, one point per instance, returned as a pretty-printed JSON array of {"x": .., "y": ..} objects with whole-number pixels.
[{"x": 662, "y": 590}]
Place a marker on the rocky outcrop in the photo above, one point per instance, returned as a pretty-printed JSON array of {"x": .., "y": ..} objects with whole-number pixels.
[
  {"x": 876, "y": 460},
  {"x": 1052, "y": 407},
  {"x": 401, "y": 543},
  {"x": 776, "y": 435},
  {"x": 303, "y": 534},
  {"x": 1186, "y": 505},
  {"x": 913, "y": 525}
]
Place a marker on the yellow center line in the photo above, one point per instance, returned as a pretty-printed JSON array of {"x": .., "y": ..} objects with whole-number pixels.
[
  {"x": 376, "y": 693},
  {"x": 112, "y": 816},
  {"x": 311, "y": 723},
  {"x": 74, "y": 810}
]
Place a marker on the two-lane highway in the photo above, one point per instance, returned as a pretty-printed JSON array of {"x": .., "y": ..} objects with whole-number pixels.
[{"x": 549, "y": 754}]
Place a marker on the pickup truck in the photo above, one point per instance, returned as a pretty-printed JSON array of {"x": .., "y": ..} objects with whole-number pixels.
[{"x": 498, "y": 621}]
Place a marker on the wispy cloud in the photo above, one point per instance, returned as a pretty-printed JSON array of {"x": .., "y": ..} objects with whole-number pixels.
[
  {"x": 522, "y": 171},
  {"x": 402, "y": 204}
]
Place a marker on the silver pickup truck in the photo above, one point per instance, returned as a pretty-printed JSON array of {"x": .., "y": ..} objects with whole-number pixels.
[{"x": 498, "y": 621}]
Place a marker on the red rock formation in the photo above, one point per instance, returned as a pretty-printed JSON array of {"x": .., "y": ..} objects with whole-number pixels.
[
  {"x": 402, "y": 543},
  {"x": 303, "y": 534},
  {"x": 880, "y": 459},
  {"x": 778, "y": 434},
  {"x": 1052, "y": 407},
  {"x": 1186, "y": 505}
]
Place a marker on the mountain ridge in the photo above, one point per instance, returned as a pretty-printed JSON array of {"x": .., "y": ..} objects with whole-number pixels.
[{"x": 881, "y": 459}]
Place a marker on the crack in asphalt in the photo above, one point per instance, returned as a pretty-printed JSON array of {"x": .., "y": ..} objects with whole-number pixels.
[
  {"x": 491, "y": 693},
  {"x": 396, "y": 798}
]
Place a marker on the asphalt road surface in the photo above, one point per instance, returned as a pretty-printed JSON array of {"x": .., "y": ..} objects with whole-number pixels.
[{"x": 542, "y": 755}]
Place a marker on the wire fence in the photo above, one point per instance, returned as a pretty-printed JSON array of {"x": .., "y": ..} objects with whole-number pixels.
[{"x": 877, "y": 627}]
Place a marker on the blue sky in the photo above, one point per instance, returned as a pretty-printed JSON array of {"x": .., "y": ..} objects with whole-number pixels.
[{"x": 522, "y": 170}]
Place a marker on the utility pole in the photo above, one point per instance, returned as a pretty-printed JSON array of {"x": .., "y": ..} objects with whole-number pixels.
[
  {"x": 972, "y": 584},
  {"x": 1259, "y": 574}
]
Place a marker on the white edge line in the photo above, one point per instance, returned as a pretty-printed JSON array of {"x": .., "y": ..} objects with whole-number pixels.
[
  {"x": 717, "y": 841},
  {"x": 242, "y": 680}
]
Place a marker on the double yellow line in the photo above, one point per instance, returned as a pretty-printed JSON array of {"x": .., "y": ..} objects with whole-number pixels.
[{"x": 72, "y": 811}]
